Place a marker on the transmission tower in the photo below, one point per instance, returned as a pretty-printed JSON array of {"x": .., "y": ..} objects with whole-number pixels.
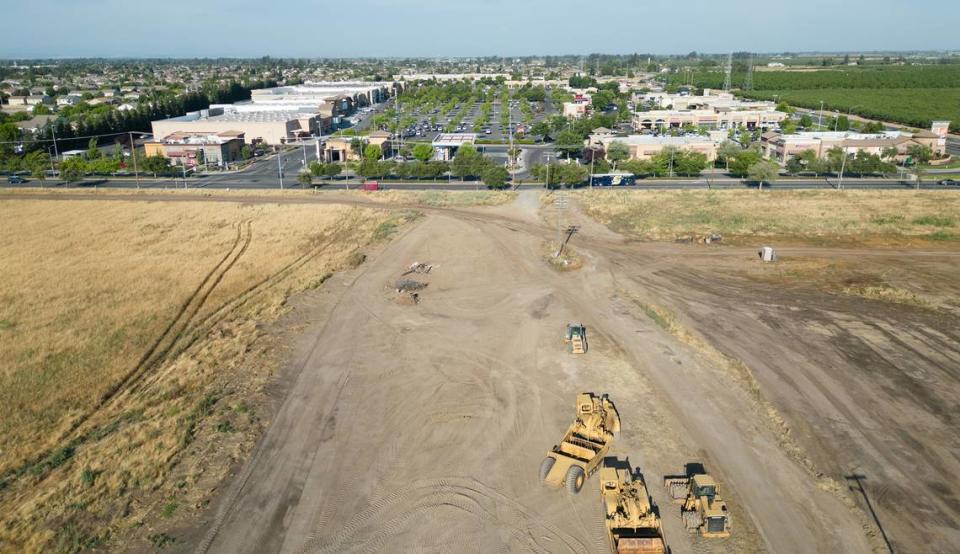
[
  {"x": 748, "y": 81},
  {"x": 729, "y": 72}
]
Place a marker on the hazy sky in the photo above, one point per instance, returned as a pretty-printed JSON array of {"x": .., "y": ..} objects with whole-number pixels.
[{"x": 348, "y": 28}]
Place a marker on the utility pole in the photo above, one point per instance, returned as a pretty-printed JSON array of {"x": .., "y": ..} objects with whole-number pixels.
[
  {"x": 727, "y": 80},
  {"x": 843, "y": 165},
  {"x": 561, "y": 204},
  {"x": 820, "y": 119},
  {"x": 280, "y": 165},
  {"x": 53, "y": 131},
  {"x": 133, "y": 154},
  {"x": 593, "y": 156}
]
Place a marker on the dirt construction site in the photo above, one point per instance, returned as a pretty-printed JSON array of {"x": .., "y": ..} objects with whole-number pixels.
[{"x": 827, "y": 411}]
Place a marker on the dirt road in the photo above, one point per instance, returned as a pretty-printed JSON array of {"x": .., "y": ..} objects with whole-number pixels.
[{"x": 421, "y": 427}]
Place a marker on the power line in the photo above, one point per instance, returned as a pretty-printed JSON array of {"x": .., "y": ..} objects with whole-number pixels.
[{"x": 31, "y": 140}]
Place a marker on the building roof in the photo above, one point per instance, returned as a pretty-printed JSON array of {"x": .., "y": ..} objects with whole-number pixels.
[
  {"x": 454, "y": 139},
  {"x": 650, "y": 140},
  {"x": 926, "y": 134},
  {"x": 379, "y": 134}
]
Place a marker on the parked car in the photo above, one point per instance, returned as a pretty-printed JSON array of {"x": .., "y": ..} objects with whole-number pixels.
[
  {"x": 371, "y": 185},
  {"x": 16, "y": 180},
  {"x": 950, "y": 182}
]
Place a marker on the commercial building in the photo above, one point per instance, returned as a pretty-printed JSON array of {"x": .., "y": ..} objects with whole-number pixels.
[
  {"x": 445, "y": 146},
  {"x": 266, "y": 124},
  {"x": 342, "y": 97},
  {"x": 579, "y": 107},
  {"x": 644, "y": 147},
  {"x": 782, "y": 147},
  {"x": 710, "y": 99},
  {"x": 710, "y": 118},
  {"x": 193, "y": 149}
]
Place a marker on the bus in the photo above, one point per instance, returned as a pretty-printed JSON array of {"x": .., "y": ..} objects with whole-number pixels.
[{"x": 618, "y": 179}]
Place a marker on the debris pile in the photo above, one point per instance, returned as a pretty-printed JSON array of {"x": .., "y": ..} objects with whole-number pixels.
[
  {"x": 417, "y": 267},
  {"x": 709, "y": 238},
  {"x": 409, "y": 285},
  {"x": 407, "y": 289},
  {"x": 767, "y": 254}
]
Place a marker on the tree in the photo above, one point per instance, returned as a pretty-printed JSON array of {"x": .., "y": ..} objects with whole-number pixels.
[
  {"x": 467, "y": 162},
  {"x": 617, "y": 152},
  {"x": 495, "y": 176},
  {"x": 72, "y": 169},
  {"x": 806, "y": 121},
  {"x": 921, "y": 154},
  {"x": 872, "y": 127},
  {"x": 784, "y": 107},
  {"x": 763, "y": 171},
  {"x": 155, "y": 164},
  {"x": 42, "y": 109},
  {"x": 423, "y": 152},
  {"x": 373, "y": 152},
  {"x": 92, "y": 151},
  {"x": 331, "y": 170},
  {"x": 246, "y": 153},
  {"x": 890, "y": 153},
  {"x": 356, "y": 145},
  {"x": 540, "y": 128},
  {"x": 727, "y": 151},
  {"x": 843, "y": 123},
  {"x": 305, "y": 178},
  {"x": 740, "y": 164},
  {"x": 835, "y": 159},
  {"x": 569, "y": 142},
  {"x": 690, "y": 163}
]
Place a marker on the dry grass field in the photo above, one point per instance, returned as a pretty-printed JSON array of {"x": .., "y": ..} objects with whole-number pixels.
[
  {"x": 814, "y": 217},
  {"x": 128, "y": 331}
]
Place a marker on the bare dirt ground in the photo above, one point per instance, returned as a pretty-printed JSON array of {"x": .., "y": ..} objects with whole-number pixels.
[{"x": 420, "y": 427}]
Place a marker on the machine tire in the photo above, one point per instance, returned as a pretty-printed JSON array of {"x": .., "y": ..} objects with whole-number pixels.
[
  {"x": 545, "y": 466},
  {"x": 575, "y": 479}
]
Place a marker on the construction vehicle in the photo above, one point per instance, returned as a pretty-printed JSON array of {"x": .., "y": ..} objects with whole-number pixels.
[
  {"x": 702, "y": 509},
  {"x": 576, "y": 338},
  {"x": 632, "y": 525},
  {"x": 584, "y": 444}
]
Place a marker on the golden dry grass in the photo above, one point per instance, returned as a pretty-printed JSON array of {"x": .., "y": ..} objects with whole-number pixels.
[
  {"x": 425, "y": 198},
  {"x": 811, "y": 216},
  {"x": 86, "y": 287}
]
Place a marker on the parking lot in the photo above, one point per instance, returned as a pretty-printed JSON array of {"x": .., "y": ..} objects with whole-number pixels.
[{"x": 425, "y": 122}]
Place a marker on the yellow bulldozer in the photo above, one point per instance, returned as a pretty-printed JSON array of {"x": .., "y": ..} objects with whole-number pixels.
[
  {"x": 584, "y": 444},
  {"x": 576, "y": 338},
  {"x": 632, "y": 525},
  {"x": 702, "y": 509}
]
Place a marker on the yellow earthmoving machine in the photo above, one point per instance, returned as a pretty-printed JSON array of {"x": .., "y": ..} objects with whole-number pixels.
[
  {"x": 702, "y": 509},
  {"x": 584, "y": 445},
  {"x": 576, "y": 338},
  {"x": 632, "y": 525}
]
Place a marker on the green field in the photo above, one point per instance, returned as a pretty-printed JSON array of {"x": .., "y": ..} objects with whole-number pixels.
[
  {"x": 910, "y": 94},
  {"x": 917, "y": 106}
]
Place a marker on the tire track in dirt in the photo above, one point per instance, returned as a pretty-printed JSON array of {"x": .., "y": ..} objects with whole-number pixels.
[
  {"x": 154, "y": 354},
  {"x": 169, "y": 352},
  {"x": 198, "y": 329},
  {"x": 389, "y": 515}
]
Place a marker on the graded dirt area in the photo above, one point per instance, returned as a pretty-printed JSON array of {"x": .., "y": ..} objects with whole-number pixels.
[{"x": 420, "y": 427}]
